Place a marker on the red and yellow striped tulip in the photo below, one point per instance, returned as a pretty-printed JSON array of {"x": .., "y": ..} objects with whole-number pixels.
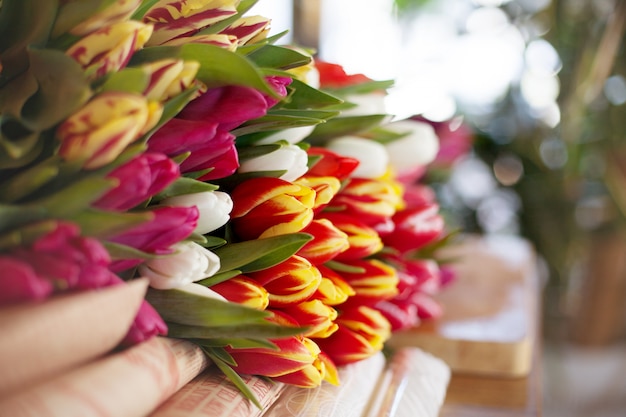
[
  {"x": 328, "y": 241},
  {"x": 290, "y": 282},
  {"x": 378, "y": 281},
  {"x": 370, "y": 200},
  {"x": 361, "y": 334},
  {"x": 314, "y": 314},
  {"x": 248, "y": 29},
  {"x": 118, "y": 11},
  {"x": 177, "y": 18},
  {"x": 243, "y": 290},
  {"x": 364, "y": 240},
  {"x": 333, "y": 290},
  {"x": 110, "y": 48},
  {"x": 169, "y": 77},
  {"x": 311, "y": 376},
  {"x": 325, "y": 189},
  {"x": 266, "y": 206},
  {"x": 97, "y": 133},
  {"x": 223, "y": 41}
]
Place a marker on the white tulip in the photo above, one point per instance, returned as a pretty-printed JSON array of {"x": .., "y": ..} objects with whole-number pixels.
[
  {"x": 366, "y": 104},
  {"x": 290, "y": 158},
  {"x": 202, "y": 291},
  {"x": 372, "y": 156},
  {"x": 292, "y": 135},
  {"x": 418, "y": 148},
  {"x": 189, "y": 263},
  {"x": 214, "y": 208}
]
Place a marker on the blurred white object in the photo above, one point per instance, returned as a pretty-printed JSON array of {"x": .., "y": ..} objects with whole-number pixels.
[
  {"x": 418, "y": 148},
  {"x": 373, "y": 157}
]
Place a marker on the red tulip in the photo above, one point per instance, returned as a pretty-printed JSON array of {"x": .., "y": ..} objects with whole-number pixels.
[
  {"x": 290, "y": 282},
  {"x": 361, "y": 334},
  {"x": 266, "y": 206},
  {"x": 243, "y": 290},
  {"x": 331, "y": 164},
  {"x": 415, "y": 228},
  {"x": 314, "y": 314},
  {"x": 334, "y": 76}
]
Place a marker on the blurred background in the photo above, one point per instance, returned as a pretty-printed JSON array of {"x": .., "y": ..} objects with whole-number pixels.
[{"x": 532, "y": 93}]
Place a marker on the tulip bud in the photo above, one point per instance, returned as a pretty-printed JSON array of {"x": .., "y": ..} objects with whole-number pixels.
[
  {"x": 227, "y": 42},
  {"x": 189, "y": 263},
  {"x": 243, "y": 290},
  {"x": 146, "y": 325},
  {"x": 331, "y": 164},
  {"x": 110, "y": 48},
  {"x": 378, "y": 281},
  {"x": 333, "y": 290},
  {"x": 415, "y": 227},
  {"x": 118, "y": 11},
  {"x": 361, "y": 334},
  {"x": 169, "y": 77},
  {"x": 176, "y": 18},
  {"x": 138, "y": 180},
  {"x": 325, "y": 189},
  {"x": 289, "y": 282},
  {"x": 363, "y": 240},
  {"x": 265, "y": 207},
  {"x": 417, "y": 148},
  {"x": 372, "y": 201},
  {"x": 214, "y": 208},
  {"x": 20, "y": 283},
  {"x": 372, "y": 156},
  {"x": 289, "y": 158},
  {"x": 291, "y": 135},
  {"x": 101, "y": 130},
  {"x": 328, "y": 241},
  {"x": 315, "y": 315}
]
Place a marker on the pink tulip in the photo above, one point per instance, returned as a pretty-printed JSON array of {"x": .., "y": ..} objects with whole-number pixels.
[
  {"x": 146, "y": 325},
  {"x": 19, "y": 282},
  {"x": 138, "y": 180},
  {"x": 168, "y": 226}
]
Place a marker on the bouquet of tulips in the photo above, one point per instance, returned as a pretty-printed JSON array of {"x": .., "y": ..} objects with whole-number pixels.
[{"x": 271, "y": 203}]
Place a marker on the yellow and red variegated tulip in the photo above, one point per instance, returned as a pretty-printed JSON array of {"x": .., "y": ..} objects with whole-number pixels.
[
  {"x": 372, "y": 201},
  {"x": 311, "y": 376},
  {"x": 97, "y": 133},
  {"x": 243, "y": 290},
  {"x": 333, "y": 290},
  {"x": 361, "y": 334},
  {"x": 118, "y": 11},
  {"x": 325, "y": 189},
  {"x": 377, "y": 281},
  {"x": 110, "y": 48},
  {"x": 169, "y": 77},
  {"x": 314, "y": 314},
  {"x": 177, "y": 18},
  {"x": 328, "y": 241},
  {"x": 266, "y": 206},
  {"x": 223, "y": 41},
  {"x": 249, "y": 29},
  {"x": 290, "y": 282},
  {"x": 364, "y": 240}
]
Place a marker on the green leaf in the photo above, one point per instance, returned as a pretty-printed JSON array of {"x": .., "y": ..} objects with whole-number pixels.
[
  {"x": 222, "y": 355},
  {"x": 183, "y": 186},
  {"x": 172, "y": 107},
  {"x": 338, "y": 266},
  {"x": 16, "y": 216},
  {"x": 68, "y": 201},
  {"x": 306, "y": 97},
  {"x": 257, "y": 150},
  {"x": 104, "y": 224},
  {"x": 255, "y": 255},
  {"x": 384, "y": 136},
  {"x": 131, "y": 80},
  {"x": 279, "y": 57},
  {"x": 342, "y": 126},
  {"x": 236, "y": 343},
  {"x": 213, "y": 242},
  {"x": 363, "y": 88},
  {"x": 27, "y": 234},
  {"x": 23, "y": 23},
  {"x": 185, "y": 308},
  {"x": 119, "y": 251},
  {"x": 63, "y": 89},
  {"x": 143, "y": 8},
  {"x": 233, "y": 180},
  {"x": 234, "y": 378},
  {"x": 265, "y": 330},
  {"x": 272, "y": 122},
  {"x": 217, "y": 278},
  {"x": 29, "y": 180},
  {"x": 72, "y": 13}
]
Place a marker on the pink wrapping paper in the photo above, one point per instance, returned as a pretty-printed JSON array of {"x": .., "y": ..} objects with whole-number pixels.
[
  {"x": 41, "y": 340},
  {"x": 131, "y": 383}
]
